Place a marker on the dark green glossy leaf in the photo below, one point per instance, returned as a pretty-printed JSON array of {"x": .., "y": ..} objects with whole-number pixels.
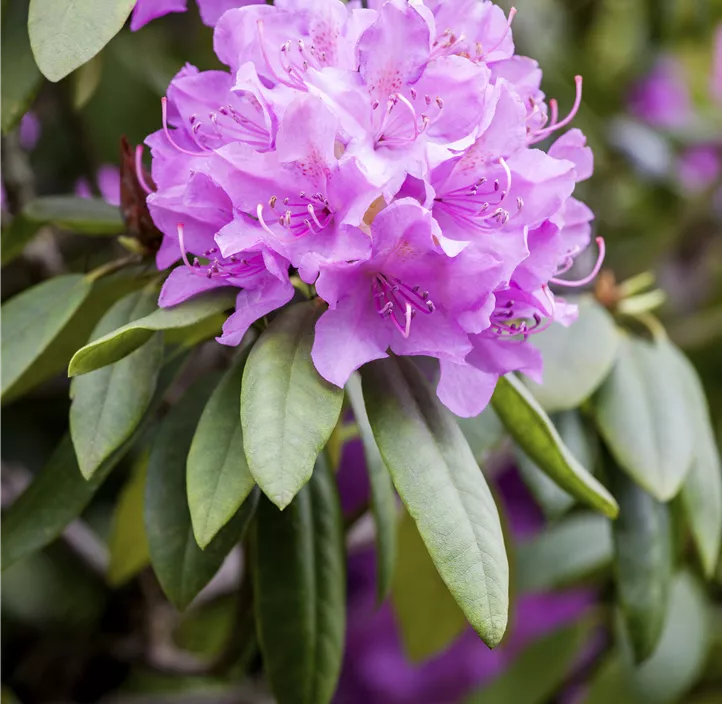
[
  {"x": 59, "y": 493},
  {"x": 428, "y": 617},
  {"x": 569, "y": 550},
  {"x": 109, "y": 403},
  {"x": 288, "y": 411},
  {"x": 438, "y": 479},
  {"x": 642, "y": 415},
  {"x": 87, "y": 216},
  {"x": 642, "y": 561},
  {"x": 554, "y": 501},
  {"x": 576, "y": 358},
  {"x": 64, "y": 34},
  {"x": 300, "y": 591},
  {"x": 702, "y": 489},
  {"x": 15, "y": 236},
  {"x": 182, "y": 568},
  {"x": 383, "y": 497},
  {"x": 217, "y": 476},
  {"x": 128, "y": 543},
  {"x": 535, "y": 434},
  {"x": 33, "y": 319},
  {"x": 56, "y": 355},
  {"x": 121, "y": 342},
  {"x": 538, "y": 671},
  {"x": 20, "y": 76}
]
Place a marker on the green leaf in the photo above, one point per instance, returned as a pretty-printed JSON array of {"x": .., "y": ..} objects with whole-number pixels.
[
  {"x": 87, "y": 216},
  {"x": 86, "y": 81},
  {"x": 383, "y": 497},
  {"x": 676, "y": 663},
  {"x": 288, "y": 411},
  {"x": 121, "y": 342},
  {"x": 128, "y": 543},
  {"x": 538, "y": 671},
  {"x": 702, "y": 489},
  {"x": 554, "y": 501},
  {"x": 34, "y": 318},
  {"x": 20, "y": 76},
  {"x": 484, "y": 433},
  {"x": 428, "y": 617},
  {"x": 300, "y": 591},
  {"x": 576, "y": 358},
  {"x": 56, "y": 496},
  {"x": 565, "y": 552},
  {"x": 439, "y": 481},
  {"x": 75, "y": 332},
  {"x": 14, "y": 238},
  {"x": 182, "y": 568},
  {"x": 535, "y": 434},
  {"x": 109, "y": 403},
  {"x": 642, "y": 415},
  {"x": 217, "y": 476},
  {"x": 59, "y": 493},
  {"x": 642, "y": 561},
  {"x": 64, "y": 34}
]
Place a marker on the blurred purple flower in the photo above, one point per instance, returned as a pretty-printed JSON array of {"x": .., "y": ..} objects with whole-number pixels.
[
  {"x": 108, "y": 180},
  {"x": 662, "y": 98},
  {"x": 375, "y": 667},
  {"x": 699, "y": 167},
  {"x": 29, "y": 131}
]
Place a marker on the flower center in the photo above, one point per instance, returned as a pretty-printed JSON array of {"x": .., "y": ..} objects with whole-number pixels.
[
  {"x": 481, "y": 203},
  {"x": 300, "y": 215},
  {"x": 399, "y": 302}
]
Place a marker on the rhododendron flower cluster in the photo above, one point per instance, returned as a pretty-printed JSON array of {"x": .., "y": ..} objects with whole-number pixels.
[{"x": 389, "y": 158}]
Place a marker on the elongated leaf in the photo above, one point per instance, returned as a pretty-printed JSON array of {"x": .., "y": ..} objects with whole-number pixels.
[
  {"x": 427, "y": 615},
  {"x": 574, "y": 548},
  {"x": 537, "y": 437},
  {"x": 59, "y": 493},
  {"x": 87, "y": 216},
  {"x": 538, "y": 671},
  {"x": 182, "y": 568},
  {"x": 34, "y": 318},
  {"x": 383, "y": 498},
  {"x": 576, "y": 358},
  {"x": 642, "y": 414},
  {"x": 300, "y": 592},
  {"x": 438, "y": 479},
  {"x": 121, "y": 342},
  {"x": 128, "y": 543},
  {"x": 75, "y": 332},
  {"x": 217, "y": 476},
  {"x": 288, "y": 411},
  {"x": 109, "y": 403},
  {"x": 674, "y": 666},
  {"x": 552, "y": 500},
  {"x": 642, "y": 561},
  {"x": 702, "y": 489},
  {"x": 20, "y": 76},
  {"x": 64, "y": 34},
  {"x": 484, "y": 433}
]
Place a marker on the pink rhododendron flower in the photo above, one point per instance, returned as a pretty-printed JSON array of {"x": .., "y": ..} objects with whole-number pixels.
[{"x": 391, "y": 158}]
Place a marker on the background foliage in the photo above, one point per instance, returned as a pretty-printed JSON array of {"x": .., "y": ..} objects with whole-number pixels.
[{"x": 85, "y": 618}]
